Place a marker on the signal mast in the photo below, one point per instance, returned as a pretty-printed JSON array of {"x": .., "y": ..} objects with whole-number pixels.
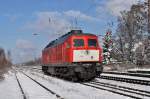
[
  {"x": 107, "y": 43},
  {"x": 149, "y": 18}
]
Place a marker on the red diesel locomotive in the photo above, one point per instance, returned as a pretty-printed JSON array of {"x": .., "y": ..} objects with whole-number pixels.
[{"x": 75, "y": 56}]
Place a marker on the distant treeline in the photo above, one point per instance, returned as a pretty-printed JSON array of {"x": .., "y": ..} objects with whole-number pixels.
[
  {"x": 4, "y": 62},
  {"x": 33, "y": 62}
]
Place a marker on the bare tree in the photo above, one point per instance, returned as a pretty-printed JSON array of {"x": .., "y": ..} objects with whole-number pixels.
[
  {"x": 132, "y": 27},
  {"x": 4, "y": 63}
]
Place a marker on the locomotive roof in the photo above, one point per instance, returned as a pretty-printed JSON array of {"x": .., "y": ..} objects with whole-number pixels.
[{"x": 65, "y": 36}]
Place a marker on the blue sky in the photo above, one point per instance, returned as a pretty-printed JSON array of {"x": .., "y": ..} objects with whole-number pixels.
[{"x": 20, "y": 19}]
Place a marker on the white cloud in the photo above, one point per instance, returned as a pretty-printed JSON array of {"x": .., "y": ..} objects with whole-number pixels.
[
  {"x": 79, "y": 15},
  {"x": 55, "y": 22},
  {"x": 114, "y": 7},
  {"x": 48, "y": 22},
  {"x": 25, "y": 51},
  {"x": 24, "y": 45}
]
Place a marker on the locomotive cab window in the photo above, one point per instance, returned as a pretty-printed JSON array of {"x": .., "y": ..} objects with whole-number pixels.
[
  {"x": 78, "y": 42},
  {"x": 92, "y": 42}
]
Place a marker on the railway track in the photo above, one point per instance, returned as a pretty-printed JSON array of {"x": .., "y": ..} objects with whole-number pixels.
[
  {"x": 128, "y": 79},
  {"x": 23, "y": 94},
  {"x": 121, "y": 90},
  {"x": 129, "y": 74},
  {"x": 124, "y": 79},
  {"x": 49, "y": 90}
]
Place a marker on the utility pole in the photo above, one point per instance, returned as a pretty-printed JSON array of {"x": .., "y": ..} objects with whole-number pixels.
[{"x": 149, "y": 18}]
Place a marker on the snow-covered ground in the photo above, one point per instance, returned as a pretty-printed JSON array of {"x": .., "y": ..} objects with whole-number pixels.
[
  {"x": 139, "y": 69},
  {"x": 130, "y": 85},
  {"x": 33, "y": 90},
  {"x": 127, "y": 76},
  {"x": 68, "y": 90},
  {"x": 9, "y": 88}
]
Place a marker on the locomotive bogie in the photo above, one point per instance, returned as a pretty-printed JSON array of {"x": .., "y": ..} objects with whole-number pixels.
[{"x": 76, "y": 72}]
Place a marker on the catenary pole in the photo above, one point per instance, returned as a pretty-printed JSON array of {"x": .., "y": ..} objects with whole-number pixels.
[{"x": 149, "y": 18}]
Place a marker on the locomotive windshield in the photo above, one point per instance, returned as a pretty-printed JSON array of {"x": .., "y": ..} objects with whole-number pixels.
[
  {"x": 78, "y": 42},
  {"x": 92, "y": 42}
]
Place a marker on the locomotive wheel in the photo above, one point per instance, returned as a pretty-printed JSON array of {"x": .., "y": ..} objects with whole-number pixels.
[
  {"x": 44, "y": 69},
  {"x": 72, "y": 78}
]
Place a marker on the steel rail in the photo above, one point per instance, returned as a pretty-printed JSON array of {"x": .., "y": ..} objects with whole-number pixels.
[
  {"x": 122, "y": 88},
  {"x": 52, "y": 92},
  {"x": 129, "y": 74},
  {"x": 23, "y": 93},
  {"x": 128, "y": 80},
  {"x": 110, "y": 90}
]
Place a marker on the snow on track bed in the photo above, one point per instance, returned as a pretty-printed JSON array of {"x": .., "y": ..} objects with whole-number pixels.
[
  {"x": 32, "y": 90},
  {"x": 140, "y": 70},
  {"x": 23, "y": 94},
  {"x": 130, "y": 85},
  {"x": 128, "y": 74},
  {"x": 9, "y": 88},
  {"x": 58, "y": 96},
  {"x": 126, "y": 78},
  {"x": 70, "y": 90},
  {"x": 122, "y": 90}
]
